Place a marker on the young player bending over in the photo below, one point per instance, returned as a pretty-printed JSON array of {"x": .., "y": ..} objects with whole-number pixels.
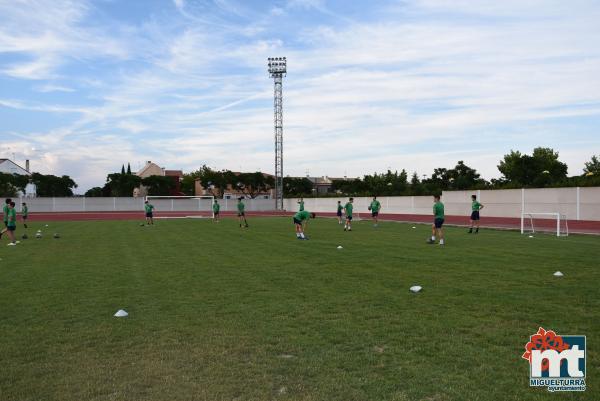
[{"x": 300, "y": 220}]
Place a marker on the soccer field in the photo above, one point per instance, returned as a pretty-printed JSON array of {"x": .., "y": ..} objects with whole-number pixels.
[{"x": 221, "y": 313}]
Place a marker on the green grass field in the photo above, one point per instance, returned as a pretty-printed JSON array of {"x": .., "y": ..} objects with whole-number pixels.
[{"x": 220, "y": 313}]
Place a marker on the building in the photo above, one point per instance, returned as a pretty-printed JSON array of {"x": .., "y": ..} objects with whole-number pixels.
[
  {"x": 324, "y": 184},
  {"x": 151, "y": 169},
  {"x": 7, "y": 166}
]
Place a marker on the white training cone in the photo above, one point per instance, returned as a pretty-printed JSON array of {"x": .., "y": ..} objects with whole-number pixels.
[
  {"x": 531, "y": 236},
  {"x": 340, "y": 247},
  {"x": 558, "y": 274},
  {"x": 46, "y": 225},
  {"x": 414, "y": 227},
  {"x": 121, "y": 313},
  {"x": 415, "y": 288}
]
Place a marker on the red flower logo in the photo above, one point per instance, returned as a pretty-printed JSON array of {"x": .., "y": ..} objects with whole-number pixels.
[{"x": 543, "y": 340}]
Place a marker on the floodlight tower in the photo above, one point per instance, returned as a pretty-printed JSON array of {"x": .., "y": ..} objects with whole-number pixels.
[{"x": 277, "y": 70}]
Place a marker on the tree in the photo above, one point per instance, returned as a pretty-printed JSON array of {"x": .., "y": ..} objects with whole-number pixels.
[
  {"x": 593, "y": 166},
  {"x": 122, "y": 184},
  {"x": 7, "y": 186},
  {"x": 540, "y": 169},
  {"x": 128, "y": 168},
  {"x": 95, "y": 192},
  {"x": 51, "y": 185},
  {"x": 253, "y": 184},
  {"x": 293, "y": 186},
  {"x": 415, "y": 185},
  {"x": 158, "y": 185},
  {"x": 123, "y": 169},
  {"x": 464, "y": 177}
]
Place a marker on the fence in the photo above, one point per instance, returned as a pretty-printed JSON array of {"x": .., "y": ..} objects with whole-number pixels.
[{"x": 576, "y": 203}]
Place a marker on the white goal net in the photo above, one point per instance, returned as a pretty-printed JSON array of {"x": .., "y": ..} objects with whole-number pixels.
[
  {"x": 199, "y": 205},
  {"x": 532, "y": 222}
]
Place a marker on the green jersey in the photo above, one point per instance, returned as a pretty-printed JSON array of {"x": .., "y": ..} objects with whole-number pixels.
[
  {"x": 241, "y": 207},
  {"x": 24, "y": 211},
  {"x": 301, "y": 208},
  {"x": 340, "y": 208},
  {"x": 375, "y": 206},
  {"x": 475, "y": 206},
  {"x": 5, "y": 210},
  {"x": 216, "y": 207},
  {"x": 148, "y": 208},
  {"x": 302, "y": 215},
  {"x": 438, "y": 210},
  {"x": 348, "y": 208},
  {"x": 12, "y": 218}
]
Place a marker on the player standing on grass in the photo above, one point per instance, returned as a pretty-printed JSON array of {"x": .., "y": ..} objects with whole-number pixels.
[
  {"x": 11, "y": 224},
  {"x": 348, "y": 209},
  {"x": 149, "y": 210},
  {"x": 241, "y": 212},
  {"x": 24, "y": 213},
  {"x": 475, "y": 208},
  {"x": 375, "y": 207},
  {"x": 340, "y": 208},
  {"x": 216, "y": 209},
  {"x": 301, "y": 205},
  {"x": 300, "y": 220},
  {"x": 438, "y": 221},
  {"x": 5, "y": 216}
]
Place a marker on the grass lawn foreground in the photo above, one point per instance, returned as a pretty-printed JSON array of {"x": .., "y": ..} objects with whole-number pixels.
[{"x": 222, "y": 313}]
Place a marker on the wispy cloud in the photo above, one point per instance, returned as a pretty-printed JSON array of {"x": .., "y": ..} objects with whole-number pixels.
[{"x": 415, "y": 85}]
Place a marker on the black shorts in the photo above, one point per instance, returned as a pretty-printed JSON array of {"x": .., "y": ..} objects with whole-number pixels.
[
  {"x": 216, "y": 213},
  {"x": 6, "y": 224},
  {"x": 296, "y": 221},
  {"x": 11, "y": 228},
  {"x": 348, "y": 217},
  {"x": 241, "y": 214},
  {"x": 339, "y": 214},
  {"x": 24, "y": 217},
  {"x": 374, "y": 214},
  {"x": 438, "y": 223},
  {"x": 149, "y": 215},
  {"x": 475, "y": 215}
]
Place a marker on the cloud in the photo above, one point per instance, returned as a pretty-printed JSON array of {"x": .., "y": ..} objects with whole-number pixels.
[{"x": 413, "y": 85}]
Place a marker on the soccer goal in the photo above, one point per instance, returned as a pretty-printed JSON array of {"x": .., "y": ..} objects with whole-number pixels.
[
  {"x": 193, "y": 204},
  {"x": 530, "y": 222}
]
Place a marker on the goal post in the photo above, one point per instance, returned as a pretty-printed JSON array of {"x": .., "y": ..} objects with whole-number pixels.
[
  {"x": 184, "y": 203},
  {"x": 535, "y": 218}
]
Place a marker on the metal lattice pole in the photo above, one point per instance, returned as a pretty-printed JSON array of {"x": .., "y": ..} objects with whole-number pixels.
[{"x": 277, "y": 70}]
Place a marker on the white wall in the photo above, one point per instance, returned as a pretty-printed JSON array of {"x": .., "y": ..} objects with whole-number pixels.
[{"x": 576, "y": 203}]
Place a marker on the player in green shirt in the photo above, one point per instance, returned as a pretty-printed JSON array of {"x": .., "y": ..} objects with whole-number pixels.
[
  {"x": 216, "y": 208},
  {"x": 241, "y": 212},
  {"x": 348, "y": 208},
  {"x": 300, "y": 220},
  {"x": 301, "y": 205},
  {"x": 24, "y": 214},
  {"x": 5, "y": 216},
  {"x": 11, "y": 223},
  {"x": 375, "y": 207},
  {"x": 340, "y": 208},
  {"x": 438, "y": 221},
  {"x": 475, "y": 208},
  {"x": 149, "y": 208}
]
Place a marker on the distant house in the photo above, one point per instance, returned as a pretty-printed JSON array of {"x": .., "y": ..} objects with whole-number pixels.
[
  {"x": 7, "y": 166},
  {"x": 151, "y": 169},
  {"x": 324, "y": 184}
]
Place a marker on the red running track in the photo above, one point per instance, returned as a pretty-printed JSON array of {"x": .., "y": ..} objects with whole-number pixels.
[{"x": 583, "y": 227}]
